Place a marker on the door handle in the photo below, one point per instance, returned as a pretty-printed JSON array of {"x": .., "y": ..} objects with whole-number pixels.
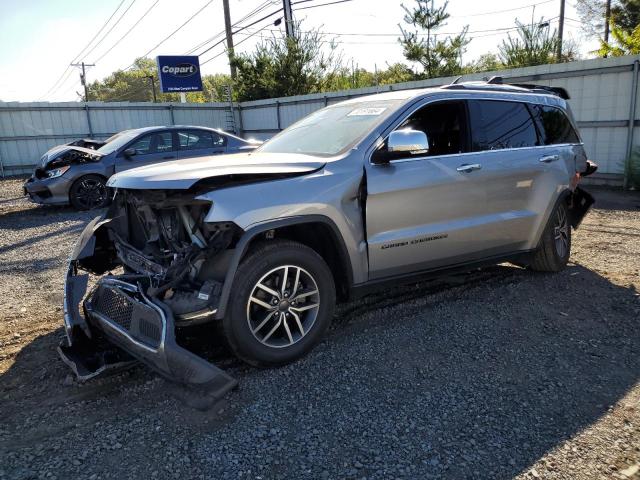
[
  {"x": 167, "y": 157},
  {"x": 549, "y": 158},
  {"x": 469, "y": 167}
]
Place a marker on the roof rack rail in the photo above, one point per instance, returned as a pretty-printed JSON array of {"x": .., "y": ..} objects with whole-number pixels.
[{"x": 496, "y": 83}]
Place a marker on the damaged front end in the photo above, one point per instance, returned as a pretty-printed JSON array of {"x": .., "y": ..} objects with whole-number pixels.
[{"x": 154, "y": 265}]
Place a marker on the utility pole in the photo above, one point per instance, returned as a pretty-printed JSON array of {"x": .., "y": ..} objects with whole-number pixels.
[
  {"x": 607, "y": 19},
  {"x": 153, "y": 87},
  {"x": 227, "y": 27},
  {"x": 288, "y": 18},
  {"x": 560, "y": 30},
  {"x": 83, "y": 77}
]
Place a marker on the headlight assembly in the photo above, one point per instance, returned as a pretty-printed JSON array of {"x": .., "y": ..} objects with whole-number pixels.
[{"x": 57, "y": 172}]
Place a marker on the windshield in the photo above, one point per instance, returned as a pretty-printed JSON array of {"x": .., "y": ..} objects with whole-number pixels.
[
  {"x": 116, "y": 141},
  {"x": 332, "y": 130}
]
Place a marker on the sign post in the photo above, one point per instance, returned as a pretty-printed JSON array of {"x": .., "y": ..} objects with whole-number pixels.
[{"x": 179, "y": 74}]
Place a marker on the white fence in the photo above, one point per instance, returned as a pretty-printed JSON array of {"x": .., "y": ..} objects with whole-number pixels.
[{"x": 603, "y": 99}]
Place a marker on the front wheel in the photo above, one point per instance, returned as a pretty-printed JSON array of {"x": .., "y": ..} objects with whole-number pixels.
[
  {"x": 89, "y": 192},
  {"x": 555, "y": 245},
  {"x": 281, "y": 304}
]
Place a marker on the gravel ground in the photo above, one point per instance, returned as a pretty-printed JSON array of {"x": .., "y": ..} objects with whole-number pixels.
[{"x": 500, "y": 373}]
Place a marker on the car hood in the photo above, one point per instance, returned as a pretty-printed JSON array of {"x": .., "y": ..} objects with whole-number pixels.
[
  {"x": 183, "y": 174},
  {"x": 60, "y": 150}
]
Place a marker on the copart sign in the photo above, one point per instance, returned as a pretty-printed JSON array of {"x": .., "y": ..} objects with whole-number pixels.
[{"x": 179, "y": 73}]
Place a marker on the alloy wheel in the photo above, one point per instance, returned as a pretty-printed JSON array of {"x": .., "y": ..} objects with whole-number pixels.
[
  {"x": 283, "y": 306},
  {"x": 91, "y": 193},
  {"x": 561, "y": 232}
]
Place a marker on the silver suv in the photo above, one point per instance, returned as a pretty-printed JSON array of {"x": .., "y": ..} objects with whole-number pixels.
[{"x": 373, "y": 191}]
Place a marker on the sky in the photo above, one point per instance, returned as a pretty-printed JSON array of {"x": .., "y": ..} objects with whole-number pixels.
[{"x": 40, "y": 38}]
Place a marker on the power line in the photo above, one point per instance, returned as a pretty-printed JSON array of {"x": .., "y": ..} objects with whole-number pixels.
[
  {"x": 239, "y": 43},
  {"x": 172, "y": 33},
  {"x": 253, "y": 13},
  {"x": 127, "y": 32},
  {"x": 115, "y": 24},
  {"x": 81, "y": 51},
  {"x": 239, "y": 30},
  {"x": 321, "y": 5},
  {"x": 502, "y": 11}
]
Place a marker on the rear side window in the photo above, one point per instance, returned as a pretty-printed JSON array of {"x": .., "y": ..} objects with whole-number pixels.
[
  {"x": 496, "y": 125},
  {"x": 199, "y": 139},
  {"x": 554, "y": 126}
]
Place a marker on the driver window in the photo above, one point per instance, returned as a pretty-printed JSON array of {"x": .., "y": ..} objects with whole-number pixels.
[{"x": 444, "y": 123}]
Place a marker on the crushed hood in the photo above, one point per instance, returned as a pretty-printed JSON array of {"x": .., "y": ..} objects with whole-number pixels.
[
  {"x": 183, "y": 174},
  {"x": 56, "y": 152}
]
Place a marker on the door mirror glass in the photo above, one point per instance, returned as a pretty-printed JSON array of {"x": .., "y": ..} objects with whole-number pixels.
[
  {"x": 413, "y": 142},
  {"x": 129, "y": 152}
]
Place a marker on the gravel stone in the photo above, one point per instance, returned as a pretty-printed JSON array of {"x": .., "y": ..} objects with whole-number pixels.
[{"x": 499, "y": 373}]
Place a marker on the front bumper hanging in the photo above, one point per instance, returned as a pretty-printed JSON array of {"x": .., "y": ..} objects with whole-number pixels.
[{"x": 121, "y": 323}]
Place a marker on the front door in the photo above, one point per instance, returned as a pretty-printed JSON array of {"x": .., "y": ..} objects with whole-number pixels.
[{"x": 150, "y": 148}]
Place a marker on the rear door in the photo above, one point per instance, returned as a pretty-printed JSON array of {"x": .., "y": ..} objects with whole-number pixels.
[
  {"x": 150, "y": 148},
  {"x": 505, "y": 134},
  {"x": 198, "y": 143}
]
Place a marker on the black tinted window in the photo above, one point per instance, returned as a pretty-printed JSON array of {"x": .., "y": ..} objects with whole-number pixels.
[
  {"x": 199, "y": 139},
  {"x": 153, "y": 143},
  {"x": 554, "y": 125},
  {"x": 496, "y": 125},
  {"x": 445, "y": 126}
]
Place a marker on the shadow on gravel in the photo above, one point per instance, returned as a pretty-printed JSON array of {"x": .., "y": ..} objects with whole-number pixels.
[
  {"x": 472, "y": 376},
  {"x": 615, "y": 199},
  {"x": 42, "y": 215}
]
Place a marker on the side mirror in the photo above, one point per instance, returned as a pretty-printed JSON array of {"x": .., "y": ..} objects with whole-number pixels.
[
  {"x": 402, "y": 144},
  {"x": 129, "y": 152},
  {"x": 591, "y": 167},
  {"x": 414, "y": 142}
]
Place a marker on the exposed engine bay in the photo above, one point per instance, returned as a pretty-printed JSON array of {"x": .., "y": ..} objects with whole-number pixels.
[
  {"x": 164, "y": 241},
  {"x": 64, "y": 157},
  {"x": 160, "y": 266}
]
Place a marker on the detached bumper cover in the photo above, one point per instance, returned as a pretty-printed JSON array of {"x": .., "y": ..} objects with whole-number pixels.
[{"x": 118, "y": 313}]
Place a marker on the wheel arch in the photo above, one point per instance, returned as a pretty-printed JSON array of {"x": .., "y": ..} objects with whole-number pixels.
[{"x": 316, "y": 231}]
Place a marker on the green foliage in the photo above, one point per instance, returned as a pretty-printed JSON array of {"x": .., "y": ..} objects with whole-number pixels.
[
  {"x": 282, "y": 67},
  {"x": 134, "y": 85},
  {"x": 485, "y": 63},
  {"x": 438, "y": 57},
  {"x": 633, "y": 170},
  {"x": 535, "y": 44},
  {"x": 626, "y": 15},
  {"x": 625, "y": 30},
  {"x": 624, "y": 43}
]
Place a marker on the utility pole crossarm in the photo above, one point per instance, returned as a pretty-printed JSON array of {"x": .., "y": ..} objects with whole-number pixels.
[{"x": 83, "y": 77}]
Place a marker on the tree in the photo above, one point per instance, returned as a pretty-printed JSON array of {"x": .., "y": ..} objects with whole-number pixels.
[
  {"x": 625, "y": 30},
  {"x": 284, "y": 66},
  {"x": 535, "y": 44},
  {"x": 485, "y": 63},
  {"x": 437, "y": 57},
  {"x": 624, "y": 43},
  {"x": 134, "y": 85},
  {"x": 625, "y": 15}
]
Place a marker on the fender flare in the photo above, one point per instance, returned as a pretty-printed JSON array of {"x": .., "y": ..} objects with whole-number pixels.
[{"x": 251, "y": 233}]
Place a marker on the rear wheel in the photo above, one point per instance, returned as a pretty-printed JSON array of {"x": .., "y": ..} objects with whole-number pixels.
[
  {"x": 89, "y": 192},
  {"x": 281, "y": 304},
  {"x": 555, "y": 246}
]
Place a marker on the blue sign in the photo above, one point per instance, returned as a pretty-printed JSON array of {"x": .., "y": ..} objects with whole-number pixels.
[{"x": 179, "y": 73}]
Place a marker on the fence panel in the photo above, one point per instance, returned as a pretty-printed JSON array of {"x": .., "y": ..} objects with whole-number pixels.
[{"x": 600, "y": 89}]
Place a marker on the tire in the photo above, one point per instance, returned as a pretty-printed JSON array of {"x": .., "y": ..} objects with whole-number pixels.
[
  {"x": 89, "y": 192},
  {"x": 291, "y": 326},
  {"x": 555, "y": 245}
]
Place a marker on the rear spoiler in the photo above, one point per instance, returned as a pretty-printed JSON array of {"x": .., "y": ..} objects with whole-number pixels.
[{"x": 559, "y": 91}]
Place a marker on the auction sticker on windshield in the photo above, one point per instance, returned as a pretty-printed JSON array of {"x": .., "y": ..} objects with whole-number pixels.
[{"x": 358, "y": 112}]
